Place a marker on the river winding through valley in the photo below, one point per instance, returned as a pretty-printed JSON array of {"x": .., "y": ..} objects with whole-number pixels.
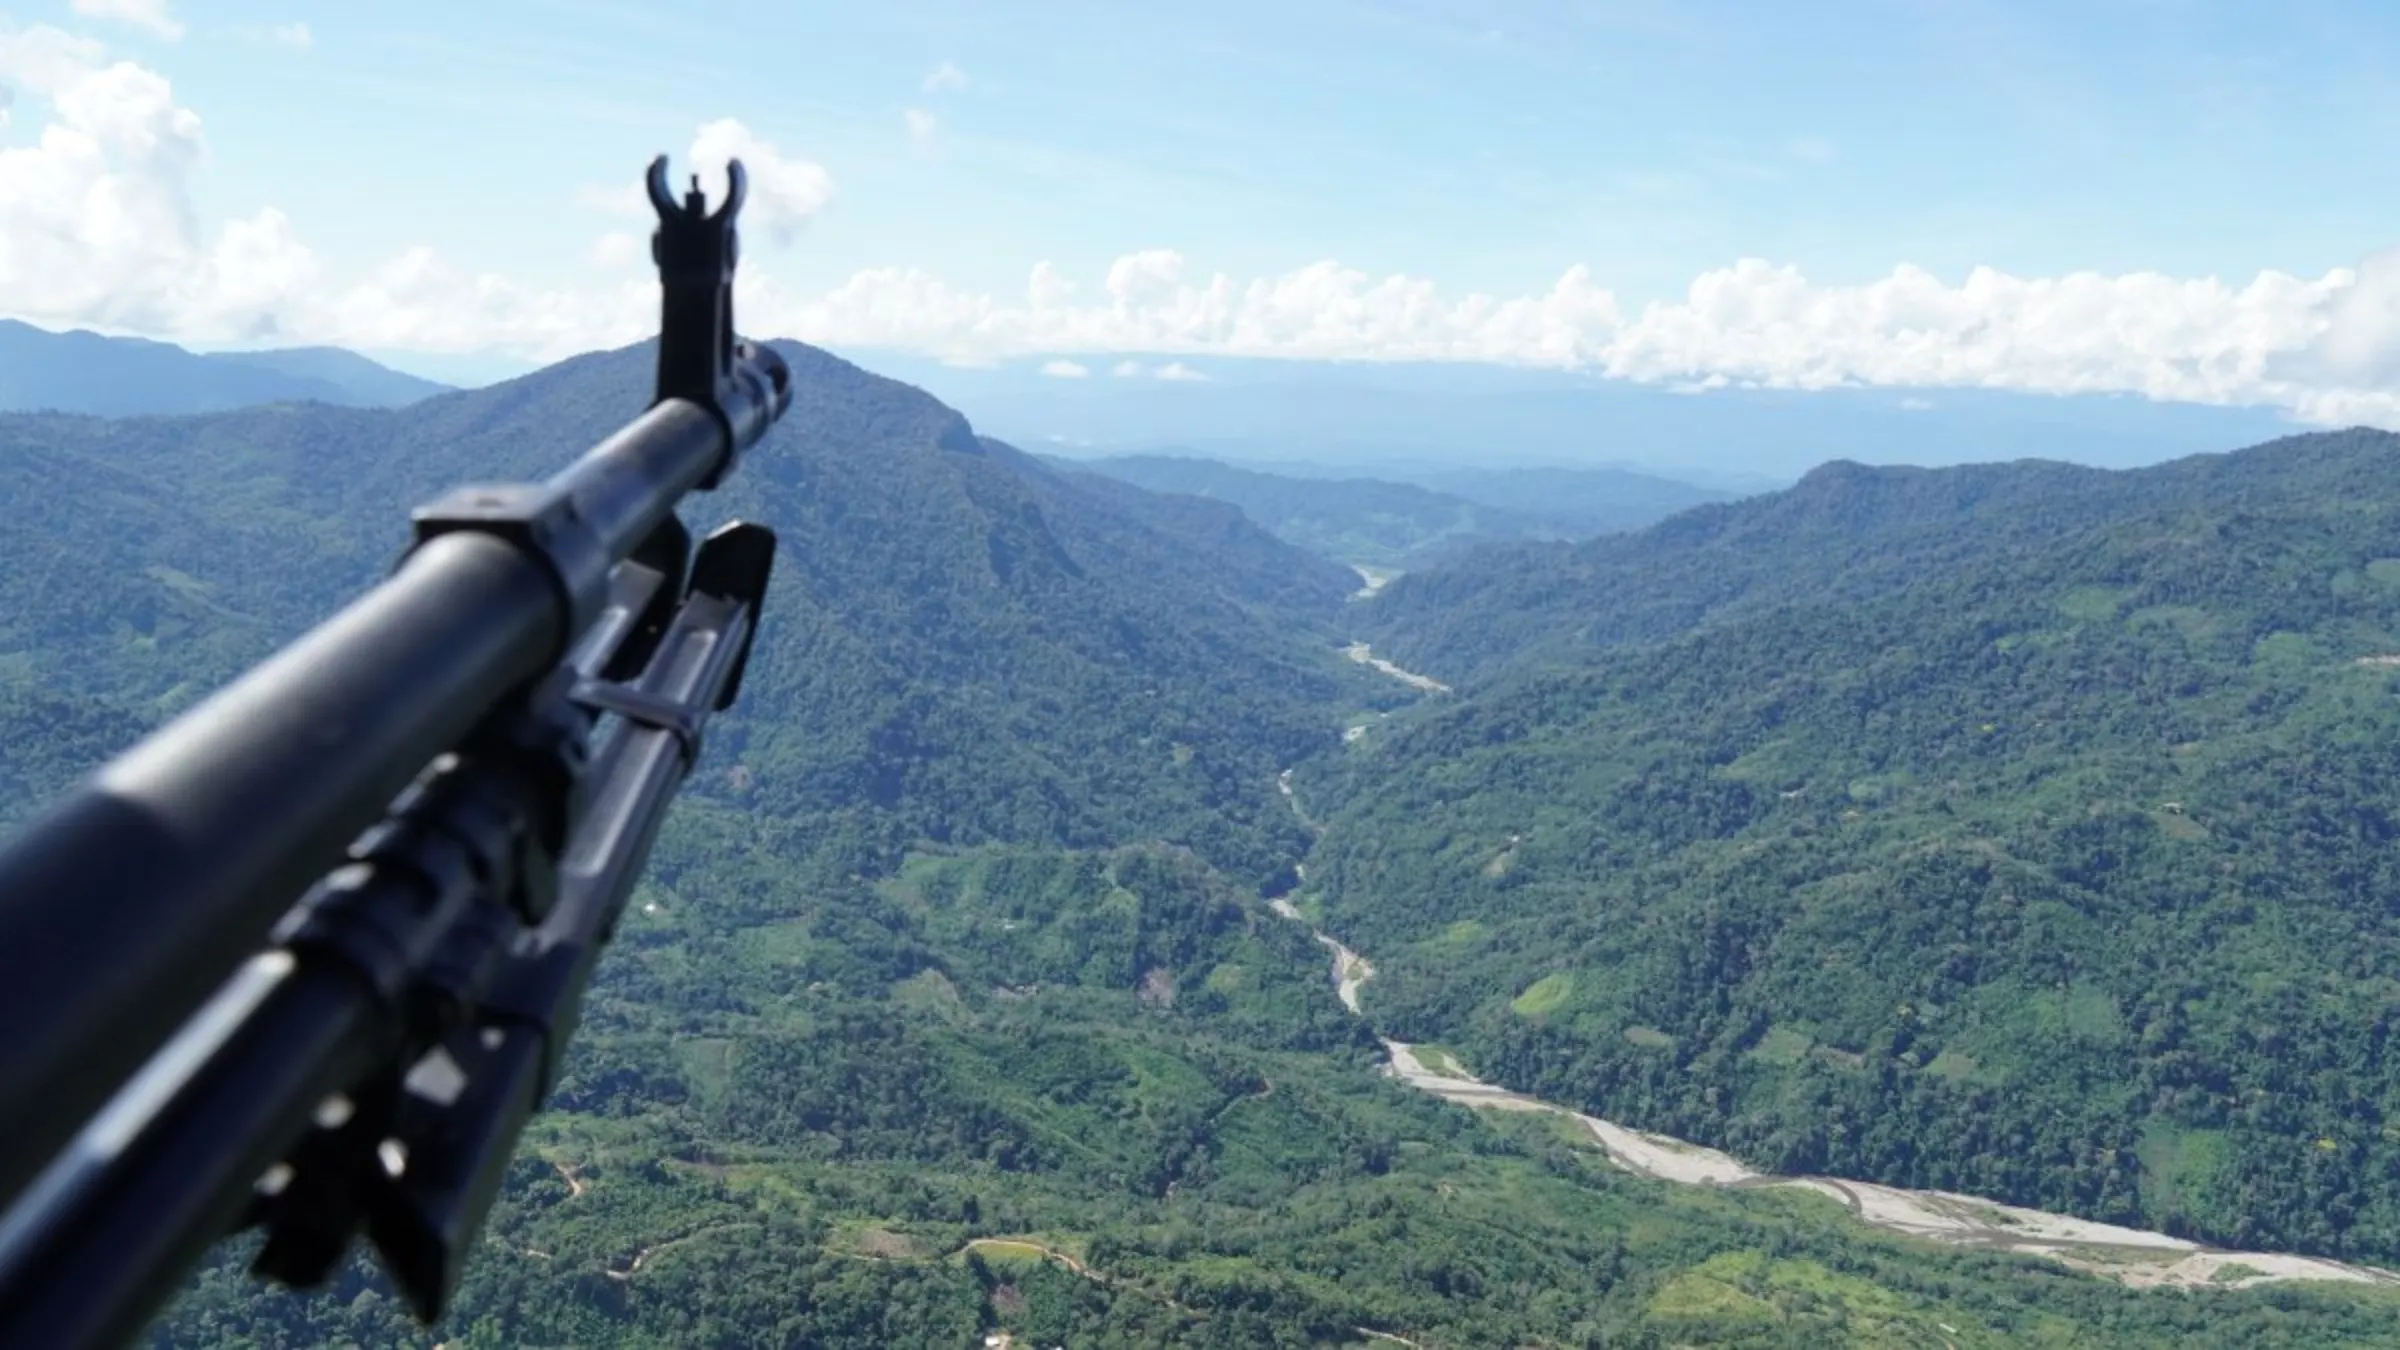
[{"x": 2129, "y": 1256}]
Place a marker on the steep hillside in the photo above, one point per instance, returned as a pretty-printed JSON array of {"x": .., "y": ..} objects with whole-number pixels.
[
  {"x": 961, "y": 645},
  {"x": 1844, "y": 533},
  {"x": 2024, "y": 831},
  {"x": 1104, "y": 1100},
  {"x": 949, "y": 1006}
]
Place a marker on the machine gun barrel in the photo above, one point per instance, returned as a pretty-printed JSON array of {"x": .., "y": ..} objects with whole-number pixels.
[
  {"x": 168, "y": 1039},
  {"x": 134, "y": 899}
]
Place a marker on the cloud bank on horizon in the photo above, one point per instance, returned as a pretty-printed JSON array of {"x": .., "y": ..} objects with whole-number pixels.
[{"x": 100, "y": 227}]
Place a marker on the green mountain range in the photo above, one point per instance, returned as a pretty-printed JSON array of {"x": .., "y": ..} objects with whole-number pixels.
[
  {"x": 84, "y": 372},
  {"x": 2016, "y": 830},
  {"x": 954, "y": 1006},
  {"x": 1388, "y": 525}
]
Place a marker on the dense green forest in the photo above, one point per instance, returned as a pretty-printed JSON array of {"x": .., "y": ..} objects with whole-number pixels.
[
  {"x": 2046, "y": 856},
  {"x": 1845, "y": 533},
  {"x": 1106, "y": 1100},
  {"x": 950, "y": 1004},
  {"x": 962, "y": 644}
]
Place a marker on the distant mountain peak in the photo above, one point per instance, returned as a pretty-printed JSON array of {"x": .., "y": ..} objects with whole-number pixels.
[
  {"x": 1407, "y": 518},
  {"x": 1845, "y": 531},
  {"x": 81, "y": 371}
]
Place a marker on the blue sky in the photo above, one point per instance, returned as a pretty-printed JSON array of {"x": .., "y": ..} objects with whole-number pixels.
[
  {"x": 1472, "y": 148},
  {"x": 1488, "y": 145}
]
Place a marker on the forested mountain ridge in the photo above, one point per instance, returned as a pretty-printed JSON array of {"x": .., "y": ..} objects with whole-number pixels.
[
  {"x": 1350, "y": 519},
  {"x": 949, "y": 617},
  {"x": 1585, "y": 499},
  {"x": 2039, "y": 843},
  {"x": 1104, "y": 1100},
  {"x": 1220, "y": 532},
  {"x": 360, "y": 380},
  {"x": 85, "y": 372},
  {"x": 1845, "y": 533},
  {"x": 1410, "y": 518},
  {"x": 948, "y": 1005}
]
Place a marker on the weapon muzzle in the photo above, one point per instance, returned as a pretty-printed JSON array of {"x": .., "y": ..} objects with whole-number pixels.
[{"x": 756, "y": 394}]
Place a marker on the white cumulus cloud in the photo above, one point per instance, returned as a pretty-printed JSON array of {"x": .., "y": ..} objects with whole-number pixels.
[
  {"x": 150, "y": 16},
  {"x": 416, "y": 301},
  {"x": 1142, "y": 278},
  {"x": 2326, "y": 347},
  {"x": 98, "y": 228},
  {"x": 944, "y": 77},
  {"x": 1323, "y": 310},
  {"x": 2170, "y": 338},
  {"x": 784, "y": 192},
  {"x": 96, "y": 221},
  {"x": 1066, "y": 370},
  {"x": 921, "y": 124},
  {"x": 617, "y": 249},
  {"x": 42, "y": 59},
  {"x": 1049, "y": 290}
]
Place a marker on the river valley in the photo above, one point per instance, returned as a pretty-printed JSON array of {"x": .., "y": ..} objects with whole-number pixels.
[{"x": 2130, "y": 1256}]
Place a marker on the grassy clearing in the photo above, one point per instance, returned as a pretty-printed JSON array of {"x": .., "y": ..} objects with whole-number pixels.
[{"x": 1545, "y": 995}]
